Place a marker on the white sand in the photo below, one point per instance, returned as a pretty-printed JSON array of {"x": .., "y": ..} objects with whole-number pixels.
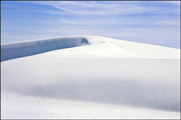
[{"x": 89, "y": 77}]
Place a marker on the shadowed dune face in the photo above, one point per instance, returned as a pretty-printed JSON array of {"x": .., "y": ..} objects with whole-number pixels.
[
  {"x": 114, "y": 81},
  {"x": 23, "y": 49},
  {"x": 121, "y": 92}
]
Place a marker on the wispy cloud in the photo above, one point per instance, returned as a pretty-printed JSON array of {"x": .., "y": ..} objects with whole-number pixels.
[
  {"x": 148, "y": 21},
  {"x": 172, "y": 2},
  {"x": 102, "y": 8},
  {"x": 173, "y": 22}
]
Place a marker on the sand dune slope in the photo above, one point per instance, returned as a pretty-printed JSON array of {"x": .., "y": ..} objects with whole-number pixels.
[
  {"x": 99, "y": 46},
  {"x": 89, "y": 77}
]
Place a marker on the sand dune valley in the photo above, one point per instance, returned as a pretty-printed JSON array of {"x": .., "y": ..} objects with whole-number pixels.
[{"x": 89, "y": 77}]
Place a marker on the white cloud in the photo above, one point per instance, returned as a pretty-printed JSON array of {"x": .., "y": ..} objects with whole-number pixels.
[
  {"x": 168, "y": 22},
  {"x": 101, "y": 8},
  {"x": 88, "y": 22},
  {"x": 173, "y": 2}
]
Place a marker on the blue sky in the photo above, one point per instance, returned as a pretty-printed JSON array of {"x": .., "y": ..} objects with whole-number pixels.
[{"x": 152, "y": 22}]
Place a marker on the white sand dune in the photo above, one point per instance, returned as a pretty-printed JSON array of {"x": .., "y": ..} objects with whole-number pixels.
[
  {"x": 98, "y": 46},
  {"x": 89, "y": 77}
]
